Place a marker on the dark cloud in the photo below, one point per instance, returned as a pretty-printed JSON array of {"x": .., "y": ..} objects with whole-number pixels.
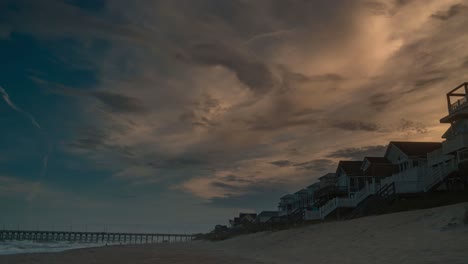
[
  {"x": 120, "y": 103},
  {"x": 90, "y": 139},
  {"x": 282, "y": 163},
  {"x": 291, "y": 77},
  {"x": 388, "y": 8},
  {"x": 412, "y": 126},
  {"x": 465, "y": 63},
  {"x": 354, "y": 125},
  {"x": 284, "y": 114},
  {"x": 453, "y": 11},
  {"x": 178, "y": 163},
  {"x": 202, "y": 112},
  {"x": 234, "y": 178},
  {"x": 229, "y": 188},
  {"x": 429, "y": 81},
  {"x": 380, "y": 101},
  {"x": 377, "y": 8},
  {"x": 250, "y": 71},
  {"x": 358, "y": 153},
  {"x": 61, "y": 18},
  {"x": 114, "y": 102},
  {"x": 318, "y": 165},
  {"x": 270, "y": 124}
]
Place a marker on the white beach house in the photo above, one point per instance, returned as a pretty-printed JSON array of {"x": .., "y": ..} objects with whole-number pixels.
[{"x": 407, "y": 167}]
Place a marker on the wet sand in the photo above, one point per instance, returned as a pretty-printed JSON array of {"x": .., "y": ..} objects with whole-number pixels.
[{"x": 132, "y": 254}]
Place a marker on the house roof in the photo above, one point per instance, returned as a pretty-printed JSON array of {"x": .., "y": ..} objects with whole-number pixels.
[
  {"x": 415, "y": 149},
  {"x": 303, "y": 191},
  {"x": 314, "y": 186},
  {"x": 241, "y": 215},
  {"x": 377, "y": 159},
  {"x": 268, "y": 214},
  {"x": 381, "y": 169},
  {"x": 287, "y": 196},
  {"x": 328, "y": 175},
  {"x": 351, "y": 167}
]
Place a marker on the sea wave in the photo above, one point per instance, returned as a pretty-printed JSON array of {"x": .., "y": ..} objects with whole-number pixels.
[{"x": 20, "y": 247}]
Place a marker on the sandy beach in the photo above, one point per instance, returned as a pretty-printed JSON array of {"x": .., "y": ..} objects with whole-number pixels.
[{"x": 437, "y": 235}]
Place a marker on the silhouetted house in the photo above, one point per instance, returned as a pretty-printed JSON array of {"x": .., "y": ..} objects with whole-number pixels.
[
  {"x": 326, "y": 180},
  {"x": 412, "y": 161},
  {"x": 301, "y": 199},
  {"x": 243, "y": 219},
  {"x": 350, "y": 177},
  {"x": 377, "y": 168},
  {"x": 220, "y": 229},
  {"x": 311, "y": 189},
  {"x": 453, "y": 156},
  {"x": 265, "y": 216},
  {"x": 286, "y": 204},
  {"x": 407, "y": 167},
  {"x": 328, "y": 189}
]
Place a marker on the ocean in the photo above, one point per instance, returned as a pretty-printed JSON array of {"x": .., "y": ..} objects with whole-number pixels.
[{"x": 18, "y": 247}]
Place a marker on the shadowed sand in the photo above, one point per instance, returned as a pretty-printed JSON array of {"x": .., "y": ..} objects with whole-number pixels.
[
  {"x": 437, "y": 235},
  {"x": 131, "y": 254}
]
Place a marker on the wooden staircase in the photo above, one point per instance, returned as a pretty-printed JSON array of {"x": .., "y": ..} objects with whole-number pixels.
[{"x": 375, "y": 203}]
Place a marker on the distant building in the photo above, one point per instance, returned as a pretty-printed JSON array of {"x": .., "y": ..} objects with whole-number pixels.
[
  {"x": 243, "y": 219},
  {"x": 328, "y": 179},
  {"x": 286, "y": 204},
  {"x": 265, "y": 216}
]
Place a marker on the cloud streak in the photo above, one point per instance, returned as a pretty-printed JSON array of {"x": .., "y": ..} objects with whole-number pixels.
[{"x": 8, "y": 101}]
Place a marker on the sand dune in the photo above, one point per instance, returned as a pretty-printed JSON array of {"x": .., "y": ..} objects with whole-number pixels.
[{"x": 436, "y": 235}]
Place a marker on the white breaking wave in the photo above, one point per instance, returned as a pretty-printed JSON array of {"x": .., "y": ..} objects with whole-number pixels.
[{"x": 20, "y": 247}]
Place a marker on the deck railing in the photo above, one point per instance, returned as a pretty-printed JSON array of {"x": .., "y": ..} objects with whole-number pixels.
[
  {"x": 438, "y": 173},
  {"x": 460, "y": 103},
  {"x": 338, "y": 202}
]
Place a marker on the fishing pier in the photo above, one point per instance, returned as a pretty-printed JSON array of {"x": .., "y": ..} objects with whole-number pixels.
[{"x": 93, "y": 237}]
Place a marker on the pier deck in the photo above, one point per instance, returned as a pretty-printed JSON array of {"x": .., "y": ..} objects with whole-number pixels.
[{"x": 97, "y": 237}]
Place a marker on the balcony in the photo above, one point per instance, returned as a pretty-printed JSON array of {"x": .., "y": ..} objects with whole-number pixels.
[
  {"x": 459, "y": 104},
  {"x": 457, "y": 101},
  {"x": 458, "y": 142},
  {"x": 437, "y": 156}
]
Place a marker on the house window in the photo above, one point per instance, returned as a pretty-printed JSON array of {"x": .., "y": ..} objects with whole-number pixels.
[
  {"x": 403, "y": 166},
  {"x": 415, "y": 163}
]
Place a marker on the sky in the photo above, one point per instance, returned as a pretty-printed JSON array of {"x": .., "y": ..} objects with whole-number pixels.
[{"x": 174, "y": 116}]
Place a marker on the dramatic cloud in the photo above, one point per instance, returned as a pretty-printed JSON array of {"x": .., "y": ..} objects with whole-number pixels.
[
  {"x": 358, "y": 153},
  {"x": 357, "y": 125},
  {"x": 319, "y": 165},
  {"x": 114, "y": 102},
  {"x": 221, "y": 101},
  {"x": 282, "y": 163},
  {"x": 254, "y": 74},
  {"x": 451, "y": 12}
]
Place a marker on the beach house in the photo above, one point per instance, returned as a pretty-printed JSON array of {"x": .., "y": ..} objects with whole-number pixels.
[
  {"x": 242, "y": 220},
  {"x": 411, "y": 159},
  {"x": 301, "y": 202},
  {"x": 350, "y": 177},
  {"x": 265, "y": 216},
  {"x": 407, "y": 167}
]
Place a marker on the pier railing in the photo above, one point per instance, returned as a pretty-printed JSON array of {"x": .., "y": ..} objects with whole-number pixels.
[{"x": 94, "y": 237}]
